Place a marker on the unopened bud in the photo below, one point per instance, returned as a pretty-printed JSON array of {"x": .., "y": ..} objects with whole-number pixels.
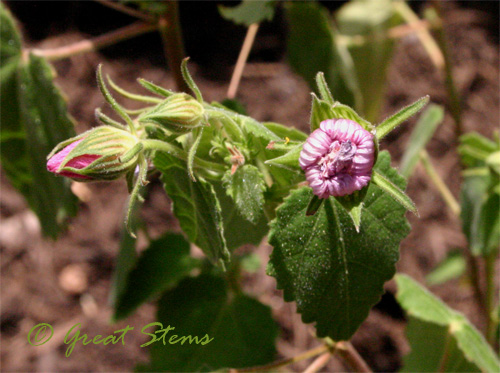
[
  {"x": 179, "y": 113},
  {"x": 97, "y": 154}
]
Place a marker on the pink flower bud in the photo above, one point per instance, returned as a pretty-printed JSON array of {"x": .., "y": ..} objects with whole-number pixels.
[
  {"x": 80, "y": 162},
  {"x": 338, "y": 158},
  {"x": 103, "y": 153}
]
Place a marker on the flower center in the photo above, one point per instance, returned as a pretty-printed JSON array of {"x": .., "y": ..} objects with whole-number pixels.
[{"x": 339, "y": 158}]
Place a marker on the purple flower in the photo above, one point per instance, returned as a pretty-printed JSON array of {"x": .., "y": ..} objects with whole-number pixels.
[
  {"x": 338, "y": 158},
  {"x": 55, "y": 162}
]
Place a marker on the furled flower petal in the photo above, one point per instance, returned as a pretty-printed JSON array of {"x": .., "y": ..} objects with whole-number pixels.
[
  {"x": 338, "y": 158},
  {"x": 80, "y": 162}
]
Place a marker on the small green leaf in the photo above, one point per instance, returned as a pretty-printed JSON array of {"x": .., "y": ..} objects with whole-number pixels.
[
  {"x": 240, "y": 330},
  {"x": 422, "y": 305},
  {"x": 396, "y": 119},
  {"x": 246, "y": 187},
  {"x": 451, "y": 267},
  {"x": 249, "y": 11},
  {"x": 162, "y": 265},
  {"x": 311, "y": 48},
  {"x": 323, "y": 89},
  {"x": 475, "y": 149},
  {"x": 394, "y": 192},
  {"x": 430, "y": 119},
  {"x": 196, "y": 206},
  {"x": 238, "y": 231},
  {"x": 334, "y": 273}
]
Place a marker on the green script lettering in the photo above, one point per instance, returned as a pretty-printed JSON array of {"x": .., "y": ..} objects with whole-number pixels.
[
  {"x": 153, "y": 336},
  {"x": 75, "y": 339},
  {"x": 206, "y": 340},
  {"x": 122, "y": 336}
]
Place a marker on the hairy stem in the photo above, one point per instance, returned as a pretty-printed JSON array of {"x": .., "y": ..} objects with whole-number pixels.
[
  {"x": 242, "y": 59},
  {"x": 278, "y": 364},
  {"x": 127, "y": 10},
  {"x": 347, "y": 351},
  {"x": 173, "y": 47},
  {"x": 491, "y": 320},
  {"x": 96, "y": 43},
  {"x": 439, "y": 183}
]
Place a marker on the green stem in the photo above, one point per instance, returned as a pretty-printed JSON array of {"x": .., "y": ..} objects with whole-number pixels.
[
  {"x": 492, "y": 321},
  {"x": 173, "y": 47},
  {"x": 278, "y": 364},
  {"x": 439, "y": 183},
  {"x": 152, "y": 144},
  {"x": 455, "y": 106},
  {"x": 94, "y": 44}
]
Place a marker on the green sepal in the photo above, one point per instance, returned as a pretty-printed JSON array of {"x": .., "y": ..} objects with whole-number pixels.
[
  {"x": 396, "y": 119},
  {"x": 192, "y": 152},
  {"x": 189, "y": 80},
  {"x": 353, "y": 204},
  {"x": 323, "y": 89},
  {"x": 134, "y": 195},
  {"x": 314, "y": 205},
  {"x": 289, "y": 161},
  {"x": 396, "y": 193},
  {"x": 103, "y": 118},
  {"x": 160, "y": 91}
]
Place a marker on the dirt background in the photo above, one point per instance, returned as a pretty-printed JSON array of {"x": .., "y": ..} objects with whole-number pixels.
[{"x": 68, "y": 281}]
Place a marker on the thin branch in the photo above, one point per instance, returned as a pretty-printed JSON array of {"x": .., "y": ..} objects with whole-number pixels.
[
  {"x": 96, "y": 43},
  {"x": 439, "y": 183},
  {"x": 352, "y": 357},
  {"x": 319, "y": 363},
  {"x": 242, "y": 59},
  {"x": 127, "y": 10},
  {"x": 273, "y": 366}
]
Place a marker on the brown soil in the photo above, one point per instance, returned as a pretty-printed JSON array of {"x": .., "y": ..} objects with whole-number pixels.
[{"x": 68, "y": 281}]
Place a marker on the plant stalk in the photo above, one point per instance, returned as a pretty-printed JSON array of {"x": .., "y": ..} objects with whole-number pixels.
[
  {"x": 439, "y": 183},
  {"x": 96, "y": 43},
  {"x": 173, "y": 47},
  {"x": 491, "y": 321},
  {"x": 242, "y": 59},
  {"x": 278, "y": 364},
  {"x": 127, "y": 10},
  {"x": 347, "y": 351}
]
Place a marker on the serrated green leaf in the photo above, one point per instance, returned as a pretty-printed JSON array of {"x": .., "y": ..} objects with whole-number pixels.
[
  {"x": 451, "y": 267},
  {"x": 241, "y": 330},
  {"x": 196, "y": 206},
  {"x": 369, "y": 21},
  {"x": 430, "y": 119},
  {"x": 34, "y": 120},
  {"x": 311, "y": 48},
  {"x": 421, "y": 304},
  {"x": 249, "y": 11},
  {"x": 162, "y": 265},
  {"x": 246, "y": 187},
  {"x": 256, "y": 129},
  {"x": 237, "y": 230},
  {"x": 428, "y": 342},
  {"x": 396, "y": 119},
  {"x": 334, "y": 273},
  {"x": 320, "y": 111}
]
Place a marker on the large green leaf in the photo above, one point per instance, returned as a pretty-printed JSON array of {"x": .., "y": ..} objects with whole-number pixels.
[
  {"x": 426, "y": 125},
  {"x": 428, "y": 342},
  {"x": 311, "y": 48},
  {"x": 246, "y": 187},
  {"x": 242, "y": 329},
  {"x": 196, "y": 206},
  {"x": 249, "y": 11},
  {"x": 369, "y": 19},
  {"x": 334, "y": 273},
  {"x": 34, "y": 121},
  {"x": 422, "y": 305},
  {"x": 453, "y": 266},
  {"x": 162, "y": 265}
]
